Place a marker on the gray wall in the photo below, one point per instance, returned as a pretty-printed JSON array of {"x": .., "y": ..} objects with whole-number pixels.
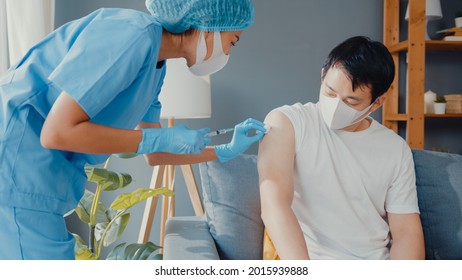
[{"x": 278, "y": 61}]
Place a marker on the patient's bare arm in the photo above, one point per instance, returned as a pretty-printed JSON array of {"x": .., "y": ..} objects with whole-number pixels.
[
  {"x": 408, "y": 240},
  {"x": 275, "y": 167}
]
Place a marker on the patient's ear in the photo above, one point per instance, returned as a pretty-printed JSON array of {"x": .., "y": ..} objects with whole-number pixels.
[{"x": 378, "y": 102}]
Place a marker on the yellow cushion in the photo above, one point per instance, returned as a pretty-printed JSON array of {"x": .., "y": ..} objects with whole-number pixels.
[{"x": 269, "y": 251}]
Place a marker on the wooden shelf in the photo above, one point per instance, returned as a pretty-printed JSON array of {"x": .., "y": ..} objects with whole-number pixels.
[
  {"x": 416, "y": 47},
  {"x": 443, "y": 115},
  {"x": 405, "y": 117},
  {"x": 401, "y": 46},
  {"x": 397, "y": 117},
  {"x": 444, "y": 46},
  {"x": 433, "y": 46}
]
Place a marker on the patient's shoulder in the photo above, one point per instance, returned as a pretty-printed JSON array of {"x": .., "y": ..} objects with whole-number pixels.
[
  {"x": 298, "y": 110},
  {"x": 299, "y": 114}
]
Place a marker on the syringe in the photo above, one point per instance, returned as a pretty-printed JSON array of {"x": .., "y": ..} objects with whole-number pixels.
[
  {"x": 219, "y": 132},
  {"x": 226, "y": 130}
]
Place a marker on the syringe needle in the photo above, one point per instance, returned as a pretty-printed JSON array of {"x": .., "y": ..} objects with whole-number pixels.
[{"x": 219, "y": 132}]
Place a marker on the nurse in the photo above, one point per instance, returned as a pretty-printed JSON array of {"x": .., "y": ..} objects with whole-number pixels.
[{"x": 91, "y": 89}]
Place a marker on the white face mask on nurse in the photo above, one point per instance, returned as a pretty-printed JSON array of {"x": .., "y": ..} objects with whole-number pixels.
[{"x": 212, "y": 51}]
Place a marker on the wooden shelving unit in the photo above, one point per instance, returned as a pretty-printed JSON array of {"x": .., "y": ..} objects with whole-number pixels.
[
  {"x": 443, "y": 115},
  {"x": 432, "y": 46},
  {"x": 416, "y": 46}
]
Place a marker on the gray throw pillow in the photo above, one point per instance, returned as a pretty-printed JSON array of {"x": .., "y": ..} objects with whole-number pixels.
[
  {"x": 232, "y": 207},
  {"x": 439, "y": 190}
]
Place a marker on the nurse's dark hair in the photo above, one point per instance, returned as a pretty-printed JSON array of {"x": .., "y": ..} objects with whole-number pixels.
[
  {"x": 183, "y": 35},
  {"x": 366, "y": 62}
]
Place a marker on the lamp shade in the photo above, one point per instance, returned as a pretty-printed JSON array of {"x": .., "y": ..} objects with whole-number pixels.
[
  {"x": 432, "y": 10},
  {"x": 184, "y": 95}
]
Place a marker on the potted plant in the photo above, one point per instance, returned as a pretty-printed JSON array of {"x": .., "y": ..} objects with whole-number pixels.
[
  {"x": 106, "y": 225},
  {"x": 458, "y": 19},
  {"x": 440, "y": 105}
]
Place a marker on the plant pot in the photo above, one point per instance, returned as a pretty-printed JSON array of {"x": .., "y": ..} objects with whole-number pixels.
[
  {"x": 440, "y": 108},
  {"x": 458, "y": 21}
]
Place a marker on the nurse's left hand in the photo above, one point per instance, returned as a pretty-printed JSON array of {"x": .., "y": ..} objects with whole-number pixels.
[{"x": 241, "y": 140}]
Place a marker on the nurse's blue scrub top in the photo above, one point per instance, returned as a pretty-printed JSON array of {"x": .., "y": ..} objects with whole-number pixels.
[{"x": 107, "y": 62}]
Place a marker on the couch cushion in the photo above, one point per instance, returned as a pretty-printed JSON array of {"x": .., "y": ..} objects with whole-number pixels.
[
  {"x": 232, "y": 206},
  {"x": 439, "y": 190},
  {"x": 188, "y": 238}
]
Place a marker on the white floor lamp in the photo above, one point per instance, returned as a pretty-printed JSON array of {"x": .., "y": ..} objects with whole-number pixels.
[{"x": 183, "y": 96}]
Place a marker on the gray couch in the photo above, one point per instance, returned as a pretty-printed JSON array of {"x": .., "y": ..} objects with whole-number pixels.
[{"x": 232, "y": 227}]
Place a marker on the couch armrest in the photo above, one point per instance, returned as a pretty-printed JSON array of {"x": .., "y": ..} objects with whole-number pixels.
[{"x": 188, "y": 238}]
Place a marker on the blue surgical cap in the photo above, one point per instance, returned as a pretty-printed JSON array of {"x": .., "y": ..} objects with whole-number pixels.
[{"x": 177, "y": 16}]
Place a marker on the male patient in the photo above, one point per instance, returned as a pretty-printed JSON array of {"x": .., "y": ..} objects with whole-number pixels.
[{"x": 334, "y": 183}]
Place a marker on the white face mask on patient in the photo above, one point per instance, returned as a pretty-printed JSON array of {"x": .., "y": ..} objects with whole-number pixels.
[
  {"x": 338, "y": 115},
  {"x": 217, "y": 60}
]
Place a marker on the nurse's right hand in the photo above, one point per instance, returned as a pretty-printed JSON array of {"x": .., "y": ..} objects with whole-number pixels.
[{"x": 174, "y": 140}]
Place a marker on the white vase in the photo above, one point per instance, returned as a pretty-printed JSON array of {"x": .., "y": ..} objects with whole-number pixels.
[
  {"x": 458, "y": 21},
  {"x": 429, "y": 99},
  {"x": 440, "y": 108}
]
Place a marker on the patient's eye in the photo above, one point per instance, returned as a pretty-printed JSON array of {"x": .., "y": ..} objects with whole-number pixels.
[
  {"x": 331, "y": 94},
  {"x": 351, "y": 101}
]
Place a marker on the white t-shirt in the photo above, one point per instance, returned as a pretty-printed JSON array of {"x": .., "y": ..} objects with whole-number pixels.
[{"x": 345, "y": 183}]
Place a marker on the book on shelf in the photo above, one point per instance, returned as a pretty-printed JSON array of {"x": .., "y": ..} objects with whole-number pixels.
[
  {"x": 457, "y": 31},
  {"x": 452, "y": 38},
  {"x": 452, "y": 34}
]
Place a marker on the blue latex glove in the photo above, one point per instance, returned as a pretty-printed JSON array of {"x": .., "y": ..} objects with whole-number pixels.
[
  {"x": 174, "y": 140},
  {"x": 241, "y": 140}
]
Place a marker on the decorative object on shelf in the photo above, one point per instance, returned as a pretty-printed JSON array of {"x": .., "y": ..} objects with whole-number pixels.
[
  {"x": 452, "y": 34},
  {"x": 452, "y": 38},
  {"x": 458, "y": 19},
  {"x": 429, "y": 98},
  {"x": 433, "y": 12},
  {"x": 453, "y": 103},
  {"x": 440, "y": 105}
]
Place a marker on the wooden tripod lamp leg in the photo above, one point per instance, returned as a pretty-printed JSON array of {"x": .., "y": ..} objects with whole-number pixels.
[
  {"x": 151, "y": 205},
  {"x": 193, "y": 191},
  {"x": 166, "y": 174},
  {"x": 167, "y": 202}
]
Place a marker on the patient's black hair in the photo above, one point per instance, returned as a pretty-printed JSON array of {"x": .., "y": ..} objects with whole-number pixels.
[{"x": 366, "y": 62}]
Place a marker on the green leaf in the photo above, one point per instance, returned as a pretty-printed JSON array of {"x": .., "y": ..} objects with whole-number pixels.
[
  {"x": 156, "y": 257},
  {"x": 117, "y": 253},
  {"x": 134, "y": 252},
  {"x": 111, "y": 213},
  {"x": 78, "y": 241},
  {"x": 84, "y": 207},
  {"x": 114, "y": 232},
  {"x": 84, "y": 255},
  {"x": 127, "y": 200},
  {"x": 108, "y": 180},
  {"x": 81, "y": 251}
]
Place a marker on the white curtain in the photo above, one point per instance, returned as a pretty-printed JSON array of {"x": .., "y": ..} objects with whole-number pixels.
[
  {"x": 4, "y": 61},
  {"x": 23, "y": 23}
]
